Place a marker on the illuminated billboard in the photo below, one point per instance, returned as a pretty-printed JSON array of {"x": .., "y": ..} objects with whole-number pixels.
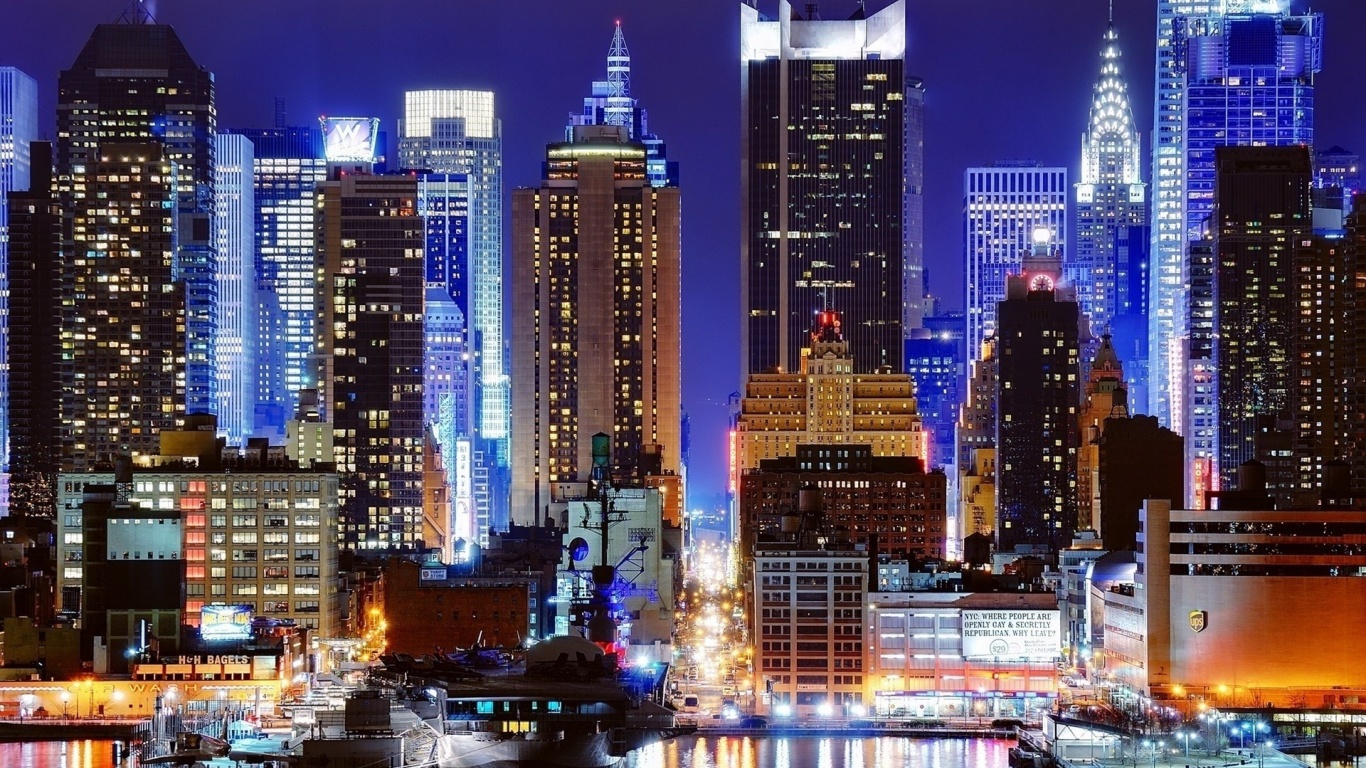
[
  {"x": 1012, "y": 635},
  {"x": 224, "y": 622},
  {"x": 350, "y": 139}
]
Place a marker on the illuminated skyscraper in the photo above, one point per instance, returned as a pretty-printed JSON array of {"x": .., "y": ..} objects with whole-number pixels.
[
  {"x": 1002, "y": 207},
  {"x": 18, "y": 127},
  {"x": 1229, "y": 72},
  {"x": 370, "y": 337},
  {"x": 123, "y": 308},
  {"x": 135, "y": 102},
  {"x": 287, "y": 165},
  {"x": 457, "y": 132},
  {"x": 1110, "y": 198},
  {"x": 1037, "y": 395},
  {"x": 611, "y": 104},
  {"x": 823, "y": 180},
  {"x": 237, "y": 318},
  {"x": 596, "y": 316}
]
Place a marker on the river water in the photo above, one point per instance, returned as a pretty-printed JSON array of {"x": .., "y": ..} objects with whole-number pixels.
[{"x": 691, "y": 752}]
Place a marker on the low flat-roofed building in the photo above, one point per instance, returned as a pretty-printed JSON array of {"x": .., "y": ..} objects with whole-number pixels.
[
  {"x": 1244, "y": 608},
  {"x": 962, "y": 654}
]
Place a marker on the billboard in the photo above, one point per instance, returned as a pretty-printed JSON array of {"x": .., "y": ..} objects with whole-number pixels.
[
  {"x": 224, "y": 622},
  {"x": 350, "y": 139},
  {"x": 1012, "y": 635}
]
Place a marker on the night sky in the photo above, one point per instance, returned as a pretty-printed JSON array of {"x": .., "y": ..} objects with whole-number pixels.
[{"x": 1005, "y": 80}]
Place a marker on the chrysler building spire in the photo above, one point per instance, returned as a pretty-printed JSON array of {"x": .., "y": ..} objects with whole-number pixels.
[{"x": 1110, "y": 145}]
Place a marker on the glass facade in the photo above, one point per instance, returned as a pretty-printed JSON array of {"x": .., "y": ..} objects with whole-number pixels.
[
  {"x": 287, "y": 165},
  {"x": 1003, "y": 205},
  {"x": 457, "y": 132},
  {"x": 237, "y": 316},
  {"x": 824, "y": 158}
]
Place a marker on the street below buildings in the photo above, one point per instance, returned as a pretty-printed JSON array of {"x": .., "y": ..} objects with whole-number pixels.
[{"x": 713, "y": 673}]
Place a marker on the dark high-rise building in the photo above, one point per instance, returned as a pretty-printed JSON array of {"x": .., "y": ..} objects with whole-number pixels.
[
  {"x": 1352, "y": 346},
  {"x": 1139, "y": 459},
  {"x": 1320, "y": 364},
  {"x": 370, "y": 342},
  {"x": 595, "y": 325},
  {"x": 823, "y": 159},
  {"x": 1037, "y": 395},
  {"x": 136, "y": 83},
  {"x": 1261, "y": 210},
  {"x": 35, "y": 270},
  {"x": 123, "y": 308}
]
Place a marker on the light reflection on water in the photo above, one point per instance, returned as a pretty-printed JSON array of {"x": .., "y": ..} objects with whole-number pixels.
[
  {"x": 788, "y": 752},
  {"x": 59, "y": 754}
]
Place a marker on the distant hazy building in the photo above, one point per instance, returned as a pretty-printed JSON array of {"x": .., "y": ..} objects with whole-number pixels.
[
  {"x": 1104, "y": 397},
  {"x": 1037, "y": 399},
  {"x": 370, "y": 335},
  {"x": 806, "y": 245},
  {"x": 596, "y": 319},
  {"x": 1003, "y": 206},
  {"x": 934, "y": 359}
]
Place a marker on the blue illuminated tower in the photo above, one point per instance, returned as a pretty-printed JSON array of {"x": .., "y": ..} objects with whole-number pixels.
[
  {"x": 18, "y": 128},
  {"x": 612, "y": 104},
  {"x": 237, "y": 316},
  {"x": 287, "y": 165}
]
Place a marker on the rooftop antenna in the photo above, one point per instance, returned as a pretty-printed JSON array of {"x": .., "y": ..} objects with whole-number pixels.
[
  {"x": 279, "y": 112},
  {"x": 618, "y": 110},
  {"x": 1112, "y": 11},
  {"x": 136, "y": 12}
]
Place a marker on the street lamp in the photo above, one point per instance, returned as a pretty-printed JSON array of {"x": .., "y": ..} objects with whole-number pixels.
[
  {"x": 1185, "y": 737},
  {"x": 66, "y": 696}
]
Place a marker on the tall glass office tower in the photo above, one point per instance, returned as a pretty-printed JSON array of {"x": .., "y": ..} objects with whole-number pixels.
[
  {"x": 457, "y": 132},
  {"x": 819, "y": 97},
  {"x": 237, "y": 315},
  {"x": 1110, "y": 199},
  {"x": 287, "y": 165},
  {"x": 18, "y": 128},
  {"x": 1003, "y": 205},
  {"x": 611, "y": 104},
  {"x": 1166, "y": 285}
]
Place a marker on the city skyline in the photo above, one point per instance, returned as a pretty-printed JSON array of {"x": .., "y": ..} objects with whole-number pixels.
[{"x": 695, "y": 107}]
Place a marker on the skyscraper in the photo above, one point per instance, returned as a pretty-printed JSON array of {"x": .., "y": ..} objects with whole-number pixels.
[
  {"x": 123, "y": 308},
  {"x": 823, "y": 177},
  {"x": 18, "y": 128},
  {"x": 1003, "y": 205},
  {"x": 1261, "y": 210},
  {"x": 596, "y": 314},
  {"x": 370, "y": 342},
  {"x": 611, "y": 104},
  {"x": 1110, "y": 198},
  {"x": 1037, "y": 398},
  {"x": 134, "y": 102},
  {"x": 447, "y": 406},
  {"x": 1219, "y": 83},
  {"x": 287, "y": 165},
  {"x": 458, "y": 132},
  {"x": 35, "y": 271},
  {"x": 238, "y": 318}
]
